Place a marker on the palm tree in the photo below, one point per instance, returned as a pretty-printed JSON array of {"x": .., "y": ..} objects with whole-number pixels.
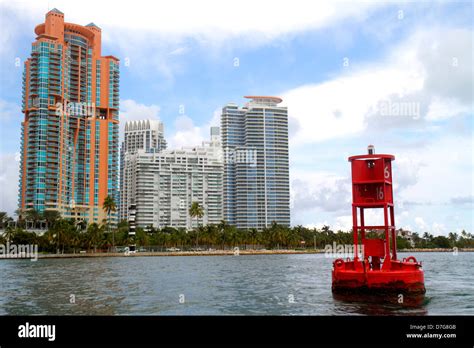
[
  {"x": 3, "y": 218},
  {"x": 34, "y": 216},
  {"x": 223, "y": 228},
  {"x": 253, "y": 233},
  {"x": 51, "y": 216},
  {"x": 109, "y": 206},
  {"x": 197, "y": 212},
  {"x": 93, "y": 236},
  {"x": 9, "y": 233}
]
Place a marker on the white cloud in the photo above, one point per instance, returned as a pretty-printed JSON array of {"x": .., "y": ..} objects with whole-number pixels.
[
  {"x": 372, "y": 217},
  {"x": 338, "y": 107},
  {"x": 130, "y": 110},
  {"x": 438, "y": 229},
  {"x": 406, "y": 170},
  {"x": 179, "y": 51},
  {"x": 319, "y": 190},
  {"x": 8, "y": 111},
  {"x": 9, "y": 174},
  {"x": 431, "y": 171},
  {"x": 444, "y": 108},
  {"x": 421, "y": 224},
  {"x": 435, "y": 228},
  {"x": 343, "y": 223},
  {"x": 419, "y": 70},
  {"x": 207, "y": 18},
  {"x": 463, "y": 200},
  {"x": 436, "y": 172},
  {"x": 145, "y": 32},
  {"x": 185, "y": 133}
]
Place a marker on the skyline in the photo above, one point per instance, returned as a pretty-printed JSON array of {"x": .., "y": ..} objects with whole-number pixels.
[{"x": 331, "y": 115}]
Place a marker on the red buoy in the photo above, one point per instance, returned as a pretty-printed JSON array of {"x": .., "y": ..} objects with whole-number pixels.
[{"x": 377, "y": 268}]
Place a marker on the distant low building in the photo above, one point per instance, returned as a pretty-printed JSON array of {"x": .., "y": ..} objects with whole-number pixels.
[{"x": 406, "y": 235}]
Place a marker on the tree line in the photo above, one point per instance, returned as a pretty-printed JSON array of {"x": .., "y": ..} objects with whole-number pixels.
[{"x": 69, "y": 236}]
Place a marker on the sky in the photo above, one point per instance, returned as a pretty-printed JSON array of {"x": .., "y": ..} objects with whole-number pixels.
[{"x": 397, "y": 75}]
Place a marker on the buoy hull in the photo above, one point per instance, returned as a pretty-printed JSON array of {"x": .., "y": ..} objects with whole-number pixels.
[{"x": 396, "y": 277}]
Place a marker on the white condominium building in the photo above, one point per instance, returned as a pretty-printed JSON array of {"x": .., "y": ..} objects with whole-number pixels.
[
  {"x": 146, "y": 135},
  {"x": 163, "y": 185}
]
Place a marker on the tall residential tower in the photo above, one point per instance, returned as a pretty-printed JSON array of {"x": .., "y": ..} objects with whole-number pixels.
[
  {"x": 70, "y": 102},
  {"x": 256, "y": 166},
  {"x": 147, "y": 136}
]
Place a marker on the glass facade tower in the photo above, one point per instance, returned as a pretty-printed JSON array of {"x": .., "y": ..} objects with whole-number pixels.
[
  {"x": 69, "y": 145},
  {"x": 256, "y": 165}
]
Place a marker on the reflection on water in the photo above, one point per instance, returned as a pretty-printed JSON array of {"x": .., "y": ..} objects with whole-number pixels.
[
  {"x": 390, "y": 304},
  {"x": 218, "y": 285}
]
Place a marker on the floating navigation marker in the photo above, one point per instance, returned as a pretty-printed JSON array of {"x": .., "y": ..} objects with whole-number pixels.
[{"x": 375, "y": 269}]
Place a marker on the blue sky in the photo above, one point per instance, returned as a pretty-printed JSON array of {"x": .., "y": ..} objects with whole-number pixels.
[{"x": 335, "y": 64}]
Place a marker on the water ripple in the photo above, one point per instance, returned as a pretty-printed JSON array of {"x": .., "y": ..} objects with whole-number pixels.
[{"x": 216, "y": 285}]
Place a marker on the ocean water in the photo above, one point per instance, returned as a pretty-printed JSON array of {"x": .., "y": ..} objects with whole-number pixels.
[{"x": 219, "y": 285}]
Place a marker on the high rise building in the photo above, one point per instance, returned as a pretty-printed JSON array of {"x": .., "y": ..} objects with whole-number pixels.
[
  {"x": 146, "y": 135},
  {"x": 69, "y": 146},
  {"x": 163, "y": 185},
  {"x": 256, "y": 165}
]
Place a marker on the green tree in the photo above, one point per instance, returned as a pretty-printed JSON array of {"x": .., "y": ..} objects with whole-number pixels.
[
  {"x": 253, "y": 234},
  {"x": 93, "y": 236},
  {"x": 196, "y": 211},
  {"x": 141, "y": 237},
  {"x": 223, "y": 231},
  {"x": 51, "y": 216},
  {"x": 3, "y": 218},
  {"x": 441, "y": 242},
  {"x": 466, "y": 240},
  {"x": 63, "y": 232},
  {"x": 403, "y": 243},
  {"x": 9, "y": 233},
  {"x": 21, "y": 236},
  {"x": 34, "y": 216},
  {"x": 453, "y": 238},
  {"x": 109, "y": 206}
]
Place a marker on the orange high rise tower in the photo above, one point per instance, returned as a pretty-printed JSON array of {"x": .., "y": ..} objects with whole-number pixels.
[{"x": 70, "y": 102}]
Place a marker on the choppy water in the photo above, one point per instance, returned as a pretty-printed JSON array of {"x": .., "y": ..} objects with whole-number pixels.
[{"x": 217, "y": 285}]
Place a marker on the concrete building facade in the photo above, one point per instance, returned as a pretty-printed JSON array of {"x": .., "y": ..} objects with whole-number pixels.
[
  {"x": 164, "y": 184},
  {"x": 147, "y": 136},
  {"x": 256, "y": 168},
  {"x": 69, "y": 136}
]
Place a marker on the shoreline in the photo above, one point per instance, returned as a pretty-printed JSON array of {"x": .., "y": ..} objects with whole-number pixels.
[{"x": 214, "y": 253}]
